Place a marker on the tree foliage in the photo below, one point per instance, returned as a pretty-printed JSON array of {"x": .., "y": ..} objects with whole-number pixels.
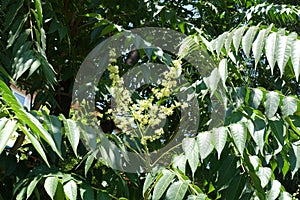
[{"x": 253, "y": 155}]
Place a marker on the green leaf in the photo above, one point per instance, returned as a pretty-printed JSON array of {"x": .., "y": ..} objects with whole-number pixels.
[
  {"x": 26, "y": 117},
  {"x": 32, "y": 186},
  {"x": 275, "y": 190},
  {"x": 283, "y": 50},
  {"x": 89, "y": 161},
  {"x": 103, "y": 195},
  {"x": 277, "y": 127},
  {"x": 239, "y": 135},
  {"x": 238, "y": 33},
  {"x": 12, "y": 13},
  {"x": 14, "y": 35},
  {"x": 59, "y": 194},
  {"x": 289, "y": 106},
  {"x": 34, "y": 66},
  {"x": 50, "y": 186},
  {"x": 270, "y": 50},
  {"x": 54, "y": 127},
  {"x": 149, "y": 181},
  {"x": 219, "y": 42},
  {"x": 86, "y": 192},
  {"x": 191, "y": 151},
  {"x": 223, "y": 71},
  {"x": 7, "y": 128},
  {"x": 259, "y": 134},
  {"x": 219, "y": 139},
  {"x": 180, "y": 162},
  {"x": 38, "y": 7},
  {"x": 37, "y": 145},
  {"x": 70, "y": 189},
  {"x": 162, "y": 184},
  {"x": 295, "y": 158},
  {"x": 264, "y": 174},
  {"x": 256, "y": 96},
  {"x": 73, "y": 133},
  {"x": 205, "y": 144},
  {"x": 258, "y": 45},
  {"x": 198, "y": 197},
  {"x": 177, "y": 190},
  {"x": 248, "y": 40},
  {"x": 295, "y": 56},
  {"x": 271, "y": 104},
  {"x": 212, "y": 80},
  {"x": 285, "y": 196},
  {"x": 228, "y": 41}
]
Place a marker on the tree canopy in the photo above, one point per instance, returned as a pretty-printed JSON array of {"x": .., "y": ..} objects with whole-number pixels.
[{"x": 254, "y": 48}]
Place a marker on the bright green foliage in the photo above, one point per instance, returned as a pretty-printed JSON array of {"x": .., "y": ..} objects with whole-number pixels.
[{"x": 254, "y": 154}]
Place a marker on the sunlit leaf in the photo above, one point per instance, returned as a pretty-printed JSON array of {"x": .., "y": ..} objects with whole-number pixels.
[
  {"x": 73, "y": 133},
  {"x": 219, "y": 139},
  {"x": 289, "y": 106},
  {"x": 190, "y": 149},
  {"x": 271, "y": 103},
  {"x": 177, "y": 190},
  {"x": 70, "y": 189},
  {"x": 270, "y": 50},
  {"x": 275, "y": 190},
  {"x": 50, "y": 185},
  {"x": 264, "y": 174},
  {"x": 7, "y": 128},
  {"x": 162, "y": 184},
  {"x": 239, "y": 135},
  {"x": 248, "y": 40},
  {"x": 205, "y": 144}
]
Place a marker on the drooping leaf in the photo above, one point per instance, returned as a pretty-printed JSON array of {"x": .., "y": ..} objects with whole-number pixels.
[
  {"x": 72, "y": 132},
  {"x": 70, "y": 189},
  {"x": 248, "y": 40},
  {"x": 264, "y": 174},
  {"x": 32, "y": 186},
  {"x": 271, "y": 103},
  {"x": 198, "y": 197},
  {"x": 223, "y": 71},
  {"x": 36, "y": 143},
  {"x": 86, "y": 192},
  {"x": 219, "y": 42},
  {"x": 277, "y": 127},
  {"x": 103, "y": 195},
  {"x": 54, "y": 127},
  {"x": 237, "y": 36},
  {"x": 205, "y": 144},
  {"x": 149, "y": 181},
  {"x": 191, "y": 151},
  {"x": 256, "y": 96},
  {"x": 7, "y": 128},
  {"x": 239, "y": 135},
  {"x": 285, "y": 196},
  {"x": 275, "y": 190},
  {"x": 270, "y": 50},
  {"x": 177, "y": 190},
  {"x": 294, "y": 158},
  {"x": 228, "y": 41},
  {"x": 180, "y": 162},
  {"x": 295, "y": 56},
  {"x": 258, "y": 45},
  {"x": 289, "y": 106},
  {"x": 50, "y": 185},
  {"x": 89, "y": 161},
  {"x": 162, "y": 184},
  {"x": 219, "y": 139},
  {"x": 283, "y": 50}
]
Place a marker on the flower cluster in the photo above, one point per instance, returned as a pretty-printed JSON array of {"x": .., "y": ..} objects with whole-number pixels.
[{"x": 138, "y": 118}]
